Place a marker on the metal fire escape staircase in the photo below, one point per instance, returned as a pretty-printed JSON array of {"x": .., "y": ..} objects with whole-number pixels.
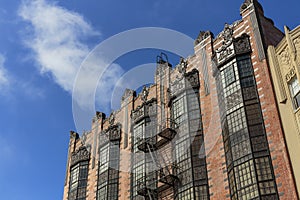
[{"x": 161, "y": 161}]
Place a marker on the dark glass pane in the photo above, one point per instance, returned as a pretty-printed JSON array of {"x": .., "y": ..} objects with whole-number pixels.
[{"x": 229, "y": 75}]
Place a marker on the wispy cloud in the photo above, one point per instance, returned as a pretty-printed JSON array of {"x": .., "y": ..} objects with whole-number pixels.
[
  {"x": 10, "y": 85},
  {"x": 4, "y": 80},
  {"x": 106, "y": 86},
  {"x": 57, "y": 38}
]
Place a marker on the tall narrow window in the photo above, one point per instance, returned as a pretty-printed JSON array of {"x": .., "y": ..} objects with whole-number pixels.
[
  {"x": 108, "y": 172},
  {"x": 295, "y": 92},
  {"x": 229, "y": 75},
  {"x": 78, "y": 181}
]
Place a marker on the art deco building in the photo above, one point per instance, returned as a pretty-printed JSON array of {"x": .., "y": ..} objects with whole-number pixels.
[
  {"x": 208, "y": 128},
  {"x": 285, "y": 69}
]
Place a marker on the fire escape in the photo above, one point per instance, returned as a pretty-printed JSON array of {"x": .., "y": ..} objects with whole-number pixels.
[{"x": 159, "y": 148}]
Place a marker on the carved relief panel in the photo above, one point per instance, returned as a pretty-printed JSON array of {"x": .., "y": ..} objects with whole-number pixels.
[
  {"x": 81, "y": 154},
  {"x": 297, "y": 45}
]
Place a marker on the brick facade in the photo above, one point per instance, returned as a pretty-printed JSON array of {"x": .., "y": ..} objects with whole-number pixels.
[{"x": 261, "y": 33}]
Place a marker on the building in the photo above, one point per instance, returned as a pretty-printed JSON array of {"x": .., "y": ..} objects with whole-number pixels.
[
  {"x": 284, "y": 65},
  {"x": 209, "y": 128}
]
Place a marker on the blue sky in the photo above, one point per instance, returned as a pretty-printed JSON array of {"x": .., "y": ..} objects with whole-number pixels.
[{"x": 42, "y": 45}]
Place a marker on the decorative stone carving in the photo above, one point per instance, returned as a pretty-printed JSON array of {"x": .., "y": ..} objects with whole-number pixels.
[
  {"x": 227, "y": 49},
  {"x": 297, "y": 45},
  {"x": 145, "y": 94},
  {"x": 103, "y": 138},
  {"x": 177, "y": 86},
  {"x": 188, "y": 80},
  {"x": 202, "y": 36},
  {"x": 227, "y": 35},
  {"x": 99, "y": 115},
  {"x": 231, "y": 47},
  {"x": 182, "y": 65},
  {"x": 82, "y": 154},
  {"x": 245, "y": 5},
  {"x": 114, "y": 132},
  {"x": 291, "y": 73},
  {"x": 73, "y": 135},
  {"x": 111, "y": 119},
  {"x": 242, "y": 44},
  {"x": 285, "y": 58},
  {"x": 145, "y": 110},
  {"x": 192, "y": 79}
]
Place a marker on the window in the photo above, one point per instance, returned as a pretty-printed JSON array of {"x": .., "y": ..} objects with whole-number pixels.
[
  {"x": 245, "y": 71},
  {"x": 201, "y": 193},
  {"x": 108, "y": 177},
  {"x": 253, "y": 114},
  {"x": 244, "y": 66},
  {"x": 245, "y": 180},
  {"x": 263, "y": 169},
  {"x": 236, "y": 121},
  {"x": 229, "y": 75},
  {"x": 295, "y": 92},
  {"x": 179, "y": 110},
  {"x": 249, "y": 167},
  {"x": 104, "y": 158},
  {"x": 78, "y": 181}
]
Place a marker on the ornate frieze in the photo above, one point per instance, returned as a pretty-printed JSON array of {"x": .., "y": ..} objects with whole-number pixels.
[
  {"x": 114, "y": 132},
  {"x": 192, "y": 79},
  {"x": 290, "y": 74},
  {"x": 231, "y": 46},
  {"x": 103, "y": 138},
  {"x": 183, "y": 82},
  {"x": 242, "y": 44},
  {"x": 145, "y": 94},
  {"x": 182, "y": 65},
  {"x": 227, "y": 49},
  {"x": 284, "y": 57},
  {"x": 147, "y": 109},
  {"x": 297, "y": 46},
  {"x": 82, "y": 154}
]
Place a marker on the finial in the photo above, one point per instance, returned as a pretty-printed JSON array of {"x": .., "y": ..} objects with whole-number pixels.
[{"x": 145, "y": 93}]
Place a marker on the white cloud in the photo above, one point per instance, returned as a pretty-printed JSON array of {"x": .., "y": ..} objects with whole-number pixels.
[
  {"x": 3, "y": 73},
  {"x": 106, "y": 85},
  {"x": 56, "y": 38}
]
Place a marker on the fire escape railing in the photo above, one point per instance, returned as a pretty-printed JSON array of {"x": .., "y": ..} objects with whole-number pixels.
[{"x": 159, "y": 157}]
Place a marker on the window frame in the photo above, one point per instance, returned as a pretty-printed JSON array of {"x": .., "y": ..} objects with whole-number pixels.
[
  {"x": 295, "y": 95},
  {"x": 78, "y": 184}
]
